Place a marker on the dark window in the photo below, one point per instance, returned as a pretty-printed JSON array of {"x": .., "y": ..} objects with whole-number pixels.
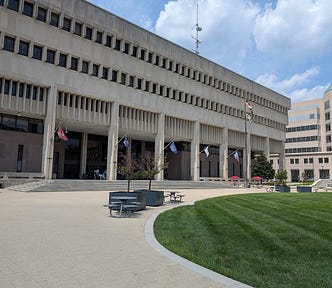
[
  {"x": 8, "y": 122},
  {"x": 156, "y": 62},
  {"x": 50, "y": 57},
  {"x": 105, "y": 73},
  {"x": 88, "y": 33},
  {"x": 99, "y": 37},
  {"x": 126, "y": 48},
  {"x": 13, "y": 4},
  {"x": 114, "y": 76},
  {"x": 41, "y": 94},
  {"x": 117, "y": 44},
  {"x": 78, "y": 29},
  {"x": 142, "y": 57},
  {"x": 108, "y": 41},
  {"x": 139, "y": 83},
  {"x": 55, "y": 19},
  {"x": 320, "y": 160},
  {"x": 95, "y": 70},
  {"x": 1, "y": 2},
  {"x": 19, "y": 163},
  {"x": 131, "y": 81},
  {"x": 134, "y": 51},
  {"x": 9, "y": 43},
  {"x": 28, "y": 91},
  {"x": 41, "y": 15},
  {"x": 63, "y": 60},
  {"x": 24, "y": 48},
  {"x": 74, "y": 63},
  {"x": 147, "y": 86},
  {"x": 123, "y": 78},
  {"x": 37, "y": 52},
  {"x": 34, "y": 92},
  {"x": 66, "y": 24},
  {"x": 22, "y": 124},
  {"x": 14, "y": 88},
  {"x": 6, "y": 88},
  {"x": 85, "y": 67},
  {"x": 150, "y": 57},
  {"x": 28, "y": 9},
  {"x": 21, "y": 90}
]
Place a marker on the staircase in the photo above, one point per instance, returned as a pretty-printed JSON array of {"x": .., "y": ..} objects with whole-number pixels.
[{"x": 118, "y": 185}]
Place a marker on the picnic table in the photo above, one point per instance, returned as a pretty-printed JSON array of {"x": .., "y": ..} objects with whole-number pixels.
[
  {"x": 175, "y": 196},
  {"x": 122, "y": 206}
]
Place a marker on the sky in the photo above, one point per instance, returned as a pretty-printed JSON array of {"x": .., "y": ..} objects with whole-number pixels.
[{"x": 285, "y": 45}]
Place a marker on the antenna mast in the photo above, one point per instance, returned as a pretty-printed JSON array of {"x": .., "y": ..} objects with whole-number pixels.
[{"x": 198, "y": 29}]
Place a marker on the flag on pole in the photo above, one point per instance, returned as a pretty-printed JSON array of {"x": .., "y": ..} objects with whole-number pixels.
[
  {"x": 62, "y": 134},
  {"x": 173, "y": 148},
  {"x": 248, "y": 105},
  {"x": 236, "y": 156},
  {"x": 206, "y": 150},
  {"x": 249, "y": 112},
  {"x": 126, "y": 141}
]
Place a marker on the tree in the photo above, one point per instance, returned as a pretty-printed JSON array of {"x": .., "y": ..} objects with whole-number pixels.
[
  {"x": 129, "y": 167},
  {"x": 281, "y": 177},
  {"x": 262, "y": 167},
  {"x": 151, "y": 166}
]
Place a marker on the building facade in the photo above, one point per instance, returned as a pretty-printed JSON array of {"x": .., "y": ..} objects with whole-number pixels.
[
  {"x": 308, "y": 147},
  {"x": 73, "y": 65}
]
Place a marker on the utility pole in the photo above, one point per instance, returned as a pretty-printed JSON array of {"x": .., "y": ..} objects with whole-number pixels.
[{"x": 198, "y": 29}]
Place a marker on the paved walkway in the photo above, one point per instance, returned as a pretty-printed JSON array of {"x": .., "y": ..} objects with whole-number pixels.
[{"x": 67, "y": 239}]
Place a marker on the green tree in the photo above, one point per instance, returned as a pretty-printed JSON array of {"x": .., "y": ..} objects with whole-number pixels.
[
  {"x": 281, "y": 177},
  {"x": 260, "y": 166}
]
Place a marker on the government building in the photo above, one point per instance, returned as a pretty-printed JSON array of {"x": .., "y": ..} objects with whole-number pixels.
[
  {"x": 308, "y": 148},
  {"x": 72, "y": 66}
]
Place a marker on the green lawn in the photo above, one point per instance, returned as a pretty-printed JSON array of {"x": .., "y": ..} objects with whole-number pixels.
[{"x": 264, "y": 240}]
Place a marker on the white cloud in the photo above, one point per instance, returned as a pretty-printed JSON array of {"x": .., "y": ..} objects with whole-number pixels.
[
  {"x": 227, "y": 26},
  {"x": 308, "y": 94},
  {"x": 295, "y": 29}
]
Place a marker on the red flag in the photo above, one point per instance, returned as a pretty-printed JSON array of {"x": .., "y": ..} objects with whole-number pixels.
[{"x": 62, "y": 134}]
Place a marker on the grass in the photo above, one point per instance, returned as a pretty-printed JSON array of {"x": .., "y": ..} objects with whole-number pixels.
[{"x": 264, "y": 240}]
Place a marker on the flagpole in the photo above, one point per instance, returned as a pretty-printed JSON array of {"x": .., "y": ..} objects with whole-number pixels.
[{"x": 245, "y": 156}]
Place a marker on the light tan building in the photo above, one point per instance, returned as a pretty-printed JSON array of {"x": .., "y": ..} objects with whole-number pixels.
[
  {"x": 308, "y": 147},
  {"x": 102, "y": 78}
]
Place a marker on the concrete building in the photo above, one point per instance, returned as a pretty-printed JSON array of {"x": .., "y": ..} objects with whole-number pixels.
[
  {"x": 308, "y": 147},
  {"x": 73, "y": 65}
]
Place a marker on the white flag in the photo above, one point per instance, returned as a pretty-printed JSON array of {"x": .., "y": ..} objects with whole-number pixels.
[{"x": 206, "y": 150}]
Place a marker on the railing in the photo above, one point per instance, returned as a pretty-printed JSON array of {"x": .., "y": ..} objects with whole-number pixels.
[{"x": 21, "y": 175}]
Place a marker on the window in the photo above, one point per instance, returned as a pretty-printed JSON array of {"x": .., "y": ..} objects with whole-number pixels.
[
  {"x": 41, "y": 14},
  {"x": 63, "y": 60},
  {"x": 123, "y": 78},
  {"x": 311, "y": 160},
  {"x": 105, "y": 73},
  {"x": 291, "y": 161},
  {"x": 114, "y": 76},
  {"x": 326, "y": 160},
  {"x": 150, "y": 57},
  {"x": 50, "y": 56},
  {"x": 327, "y": 116},
  {"x": 37, "y": 52},
  {"x": 85, "y": 67},
  {"x": 88, "y": 33},
  {"x": 320, "y": 160},
  {"x": 139, "y": 83},
  {"x": 327, "y": 104},
  {"x": 55, "y": 19},
  {"x": 1, "y": 2},
  {"x": 6, "y": 88},
  {"x": 28, "y": 91},
  {"x": 142, "y": 57},
  {"x": 305, "y": 160},
  {"x": 66, "y": 24},
  {"x": 134, "y": 51},
  {"x": 28, "y": 9},
  {"x": 23, "y": 48},
  {"x": 147, "y": 86},
  {"x": 78, "y": 29},
  {"x": 21, "y": 90},
  {"x": 95, "y": 70},
  {"x": 126, "y": 48},
  {"x": 9, "y": 44},
  {"x": 99, "y": 37},
  {"x": 19, "y": 163},
  {"x": 108, "y": 42},
  {"x": 34, "y": 92},
  {"x": 13, "y": 4},
  {"x": 131, "y": 81},
  {"x": 74, "y": 63},
  {"x": 14, "y": 88},
  {"x": 117, "y": 44}
]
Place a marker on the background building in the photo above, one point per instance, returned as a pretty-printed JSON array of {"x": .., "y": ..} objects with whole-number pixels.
[
  {"x": 72, "y": 65},
  {"x": 308, "y": 147}
]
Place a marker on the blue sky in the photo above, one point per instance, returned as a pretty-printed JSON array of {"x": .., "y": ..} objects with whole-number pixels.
[{"x": 285, "y": 45}]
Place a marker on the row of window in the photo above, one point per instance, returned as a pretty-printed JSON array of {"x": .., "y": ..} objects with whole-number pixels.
[
  {"x": 302, "y": 128},
  {"x": 82, "y": 102},
  {"x": 308, "y": 160},
  {"x": 302, "y": 150},
  {"x": 302, "y": 139},
  {"x": 22, "y": 124},
  {"x": 82, "y": 29},
  {"x": 304, "y": 117},
  {"x": 38, "y": 53},
  {"x": 21, "y": 89}
]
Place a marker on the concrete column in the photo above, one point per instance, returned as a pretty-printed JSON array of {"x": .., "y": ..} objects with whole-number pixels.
[
  {"x": 194, "y": 153},
  {"x": 267, "y": 147},
  {"x": 49, "y": 131},
  {"x": 159, "y": 145},
  {"x": 112, "y": 148},
  {"x": 84, "y": 151},
  {"x": 248, "y": 157},
  {"x": 282, "y": 160},
  {"x": 223, "y": 155}
]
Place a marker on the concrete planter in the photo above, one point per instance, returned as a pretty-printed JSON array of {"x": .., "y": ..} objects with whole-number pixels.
[
  {"x": 153, "y": 197},
  {"x": 304, "y": 189},
  {"x": 280, "y": 188},
  {"x": 140, "y": 197}
]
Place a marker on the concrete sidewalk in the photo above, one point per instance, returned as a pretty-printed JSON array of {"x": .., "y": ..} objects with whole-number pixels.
[{"x": 67, "y": 239}]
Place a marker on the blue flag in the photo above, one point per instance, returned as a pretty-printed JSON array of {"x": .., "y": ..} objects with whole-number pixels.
[
  {"x": 126, "y": 142},
  {"x": 173, "y": 148}
]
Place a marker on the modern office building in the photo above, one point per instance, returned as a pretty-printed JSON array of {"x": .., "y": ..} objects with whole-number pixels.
[
  {"x": 308, "y": 147},
  {"x": 73, "y": 65}
]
